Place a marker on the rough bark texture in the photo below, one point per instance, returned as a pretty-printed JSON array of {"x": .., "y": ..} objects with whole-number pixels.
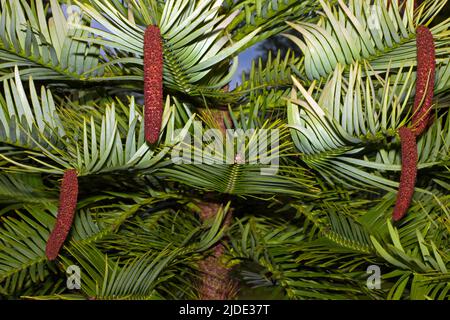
[
  {"x": 66, "y": 211},
  {"x": 409, "y": 173},
  {"x": 215, "y": 282},
  {"x": 219, "y": 114},
  {"x": 153, "y": 83}
]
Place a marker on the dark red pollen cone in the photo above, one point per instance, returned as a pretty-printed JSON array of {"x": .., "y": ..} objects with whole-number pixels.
[
  {"x": 153, "y": 83},
  {"x": 426, "y": 69},
  {"x": 66, "y": 211},
  {"x": 409, "y": 173},
  {"x": 422, "y": 118}
]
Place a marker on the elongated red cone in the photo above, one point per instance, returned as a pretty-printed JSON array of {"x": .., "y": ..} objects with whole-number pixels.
[
  {"x": 426, "y": 69},
  {"x": 66, "y": 211},
  {"x": 409, "y": 173},
  {"x": 153, "y": 83}
]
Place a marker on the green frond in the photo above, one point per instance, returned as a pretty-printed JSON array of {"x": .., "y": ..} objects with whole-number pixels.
[
  {"x": 22, "y": 258},
  {"x": 267, "y": 15},
  {"x": 360, "y": 31},
  {"x": 16, "y": 189},
  {"x": 113, "y": 142},
  {"x": 274, "y": 247},
  {"x": 109, "y": 140},
  {"x": 300, "y": 160},
  {"x": 28, "y": 120},
  {"x": 347, "y": 128},
  {"x": 195, "y": 46},
  {"x": 240, "y": 165},
  {"x": 426, "y": 259},
  {"x": 275, "y": 75},
  {"x": 165, "y": 227},
  {"x": 332, "y": 223},
  {"x": 24, "y": 233},
  {"x": 45, "y": 48},
  {"x": 105, "y": 278}
]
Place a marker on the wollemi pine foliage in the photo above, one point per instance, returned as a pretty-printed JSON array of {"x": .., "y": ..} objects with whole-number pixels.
[{"x": 98, "y": 95}]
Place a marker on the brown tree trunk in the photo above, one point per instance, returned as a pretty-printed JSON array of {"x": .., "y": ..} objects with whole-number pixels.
[{"x": 216, "y": 282}]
